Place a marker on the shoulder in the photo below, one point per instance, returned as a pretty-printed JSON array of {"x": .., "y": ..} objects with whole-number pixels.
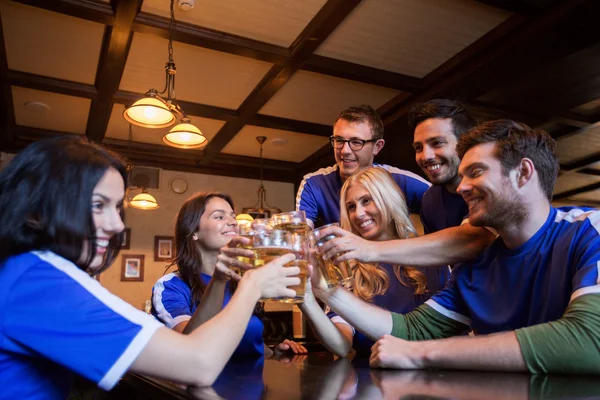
[
  {"x": 404, "y": 175},
  {"x": 579, "y": 217},
  {"x": 322, "y": 174},
  {"x": 171, "y": 281}
]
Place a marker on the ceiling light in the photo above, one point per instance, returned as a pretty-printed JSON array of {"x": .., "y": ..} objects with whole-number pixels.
[
  {"x": 154, "y": 111},
  {"x": 258, "y": 210},
  {"x": 185, "y": 136},
  {"x": 144, "y": 201}
]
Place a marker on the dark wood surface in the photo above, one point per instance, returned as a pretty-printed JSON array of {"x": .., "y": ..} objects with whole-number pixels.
[{"x": 319, "y": 376}]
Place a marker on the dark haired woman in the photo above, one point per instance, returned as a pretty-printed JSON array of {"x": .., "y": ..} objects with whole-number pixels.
[
  {"x": 60, "y": 222},
  {"x": 199, "y": 289}
]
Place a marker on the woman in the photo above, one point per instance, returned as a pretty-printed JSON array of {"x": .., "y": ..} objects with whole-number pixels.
[
  {"x": 61, "y": 222},
  {"x": 373, "y": 207},
  {"x": 185, "y": 299}
]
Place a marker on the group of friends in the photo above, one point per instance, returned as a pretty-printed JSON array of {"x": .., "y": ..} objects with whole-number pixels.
[{"x": 501, "y": 279}]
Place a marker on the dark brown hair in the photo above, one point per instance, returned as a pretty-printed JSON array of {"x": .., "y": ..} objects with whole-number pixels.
[
  {"x": 462, "y": 122},
  {"x": 364, "y": 113},
  {"x": 515, "y": 141}
]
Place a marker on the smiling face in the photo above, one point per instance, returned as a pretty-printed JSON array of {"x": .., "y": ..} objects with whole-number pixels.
[
  {"x": 351, "y": 161},
  {"x": 492, "y": 196},
  {"x": 217, "y": 225},
  {"x": 107, "y": 202},
  {"x": 364, "y": 216},
  {"x": 435, "y": 151}
]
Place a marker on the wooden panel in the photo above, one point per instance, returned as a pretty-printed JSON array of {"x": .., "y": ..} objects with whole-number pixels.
[
  {"x": 410, "y": 37},
  {"x": 51, "y": 41}
]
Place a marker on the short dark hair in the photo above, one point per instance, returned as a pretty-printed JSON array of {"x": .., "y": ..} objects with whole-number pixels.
[
  {"x": 515, "y": 141},
  {"x": 364, "y": 113},
  {"x": 462, "y": 122},
  {"x": 46, "y": 199}
]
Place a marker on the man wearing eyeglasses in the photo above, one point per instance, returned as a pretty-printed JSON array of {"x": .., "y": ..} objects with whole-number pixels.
[{"x": 357, "y": 138}]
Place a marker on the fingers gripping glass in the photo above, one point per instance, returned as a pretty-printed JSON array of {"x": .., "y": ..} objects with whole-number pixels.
[{"x": 355, "y": 144}]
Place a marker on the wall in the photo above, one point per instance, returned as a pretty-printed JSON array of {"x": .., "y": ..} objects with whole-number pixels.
[{"x": 147, "y": 224}]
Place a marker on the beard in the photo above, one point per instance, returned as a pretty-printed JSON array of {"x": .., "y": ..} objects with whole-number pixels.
[
  {"x": 504, "y": 210},
  {"x": 449, "y": 177}
]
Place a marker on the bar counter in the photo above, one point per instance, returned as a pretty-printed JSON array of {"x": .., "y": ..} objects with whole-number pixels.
[{"x": 318, "y": 376}]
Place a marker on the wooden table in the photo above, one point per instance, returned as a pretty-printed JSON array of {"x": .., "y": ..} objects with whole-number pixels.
[{"x": 319, "y": 376}]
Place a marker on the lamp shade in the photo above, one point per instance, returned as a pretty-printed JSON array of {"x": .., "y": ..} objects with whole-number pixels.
[
  {"x": 144, "y": 201},
  {"x": 185, "y": 136},
  {"x": 244, "y": 218},
  {"x": 149, "y": 112}
]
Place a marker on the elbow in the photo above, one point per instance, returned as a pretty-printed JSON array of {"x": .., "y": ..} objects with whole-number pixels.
[{"x": 207, "y": 372}]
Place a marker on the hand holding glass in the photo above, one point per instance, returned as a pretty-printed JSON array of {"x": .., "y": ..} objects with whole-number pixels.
[{"x": 341, "y": 273}]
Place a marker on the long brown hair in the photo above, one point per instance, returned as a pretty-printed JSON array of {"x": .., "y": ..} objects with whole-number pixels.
[
  {"x": 187, "y": 256},
  {"x": 371, "y": 280}
]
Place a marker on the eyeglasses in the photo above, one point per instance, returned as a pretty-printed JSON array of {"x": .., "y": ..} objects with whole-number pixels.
[{"x": 355, "y": 144}]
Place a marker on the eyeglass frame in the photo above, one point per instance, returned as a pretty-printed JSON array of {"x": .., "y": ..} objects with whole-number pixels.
[{"x": 333, "y": 139}]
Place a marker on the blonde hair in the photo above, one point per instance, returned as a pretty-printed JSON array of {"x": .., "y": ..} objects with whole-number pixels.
[{"x": 370, "y": 280}]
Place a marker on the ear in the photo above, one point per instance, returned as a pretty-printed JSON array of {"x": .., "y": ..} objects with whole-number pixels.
[
  {"x": 378, "y": 146},
  {"x": 525, "y": 172},
  {"x": 194, "y": 237}
]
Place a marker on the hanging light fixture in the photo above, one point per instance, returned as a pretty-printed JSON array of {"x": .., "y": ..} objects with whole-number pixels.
[
  {"x": 154, "y": 111},
  {"x": 143, "y": 200},
  {"x": 259, "y": 210}
]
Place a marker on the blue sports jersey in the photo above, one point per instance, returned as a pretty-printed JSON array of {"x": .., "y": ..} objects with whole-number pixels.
[
  {"x": 399, "y": 298},
  {"x": 319, "y": 192},
  {"x": 56, "y": 322},
  {"x": 441, "y": 209},
  {"x": 172, "y": 304},
  {"x": 509, "y": 289}
]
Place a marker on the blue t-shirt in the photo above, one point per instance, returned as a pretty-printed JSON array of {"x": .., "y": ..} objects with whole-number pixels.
[
  {"x": 172, "y": 304},
  {"x": 509, "y": 289},
  {"x": 55, "y": 322},
  {"x": 319, "y": 192},
  {"x": 399, "y": 298},
  {"x": 441, "y": 209}
]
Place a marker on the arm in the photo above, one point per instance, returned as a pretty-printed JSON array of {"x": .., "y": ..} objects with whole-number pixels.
[
  {"x": 210, "y": 305},
  {"x": 449, "y": 246},
  {"x": 568, "y": 345},
  {"x": 180, "y": 358},
  {"x": 337, "y": 338},
  {"x": 305, "y": 201}
]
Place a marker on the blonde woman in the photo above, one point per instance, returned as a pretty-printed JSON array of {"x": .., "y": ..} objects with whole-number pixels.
[{"x": 373, "y": 207}]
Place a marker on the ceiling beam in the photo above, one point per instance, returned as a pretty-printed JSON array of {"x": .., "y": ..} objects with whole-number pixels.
[
  {"x": 91, "y": 10},
  {"x": 47, "y": 84},
  {"x": 113, "y": 56},
  {"x": 362, "y": 73},
  {"x": 315, "y": 33},
  {"x": 525, "y": 8},
  {"x": 211, "y": 39},
  {"x": 7, "y": 110},
  {"x": 267, "y": 121},
  {"x": 573, "y": 192},
  {"x": 582, "y": 162},
  {"x": 589, "y": 171},
  {"x": 502, "y": 113}
]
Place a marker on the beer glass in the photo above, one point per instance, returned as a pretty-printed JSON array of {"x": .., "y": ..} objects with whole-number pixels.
[
  {"x": 269, "y": 245},
  {"x": 293, "y": 221},
  {"x": 246, "y": 231},
  {"x": 340, "y": 274}
]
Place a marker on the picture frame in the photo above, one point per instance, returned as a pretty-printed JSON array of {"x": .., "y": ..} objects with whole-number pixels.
[
  {"x": 164, "y": 248},
  {"x": 126, "y": 243},
  {"x": 132, "y": 268}
]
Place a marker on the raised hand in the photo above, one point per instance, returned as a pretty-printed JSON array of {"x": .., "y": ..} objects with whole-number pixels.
[
  {"x": 273, "y": 278},
  {"x": 346, "y": 246},
  {"x": 227, "y": 259}
]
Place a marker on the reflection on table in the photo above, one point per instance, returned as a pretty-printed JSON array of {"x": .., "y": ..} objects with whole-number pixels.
[{"x": 319, "y": 376}]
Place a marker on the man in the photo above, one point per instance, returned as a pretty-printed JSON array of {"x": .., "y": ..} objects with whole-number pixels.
[
  {"x": 437, "y": 125},
  {"x": 357, "y": 138},
  {"x": 533, "y": 296}
]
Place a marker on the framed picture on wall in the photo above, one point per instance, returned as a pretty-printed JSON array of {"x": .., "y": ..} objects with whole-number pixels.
[
  {"x": 132, "y": 268},
  {"x": 126, "y": 243},
  {"x": 164, "y": 248}
]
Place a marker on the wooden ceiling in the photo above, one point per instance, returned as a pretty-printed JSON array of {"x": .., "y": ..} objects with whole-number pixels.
[{"x": 285, "y": 69}]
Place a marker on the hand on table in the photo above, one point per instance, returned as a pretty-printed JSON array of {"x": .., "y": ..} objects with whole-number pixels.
[
  {"x": 392, "y": 352},
  {"x": 290, "y": 345}
]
